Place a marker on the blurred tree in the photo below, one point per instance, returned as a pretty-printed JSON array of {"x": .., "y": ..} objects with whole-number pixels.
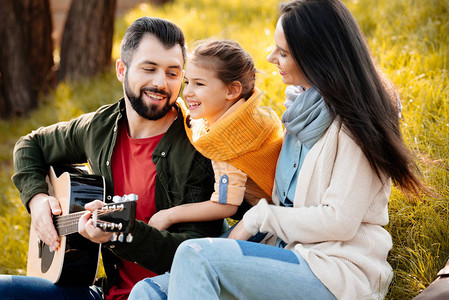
[
  {"x": 87, "y": 38},
  {"x": 26, "y": 57},
  {"x": 36, "y": 26}
]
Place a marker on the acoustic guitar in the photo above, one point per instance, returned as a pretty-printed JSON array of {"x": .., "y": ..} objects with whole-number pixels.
[{"x": 76, "y": 261}]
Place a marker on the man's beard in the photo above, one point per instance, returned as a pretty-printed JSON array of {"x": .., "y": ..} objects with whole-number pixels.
[{"x": 149, "y": 112}]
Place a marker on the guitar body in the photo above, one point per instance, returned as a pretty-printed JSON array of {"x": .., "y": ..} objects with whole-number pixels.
[{"x": 76, "y": 261}]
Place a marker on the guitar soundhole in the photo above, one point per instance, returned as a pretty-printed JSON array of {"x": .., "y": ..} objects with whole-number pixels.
[{"x": 47, "y": 258}]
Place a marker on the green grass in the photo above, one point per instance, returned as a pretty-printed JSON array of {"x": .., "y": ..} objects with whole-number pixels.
[{"x": 409, "y": 40}]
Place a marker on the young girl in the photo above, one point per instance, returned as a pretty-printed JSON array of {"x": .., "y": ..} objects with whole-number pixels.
[
  {"x": 325, "y": 236},
  {"x": 241, "y": 138}
]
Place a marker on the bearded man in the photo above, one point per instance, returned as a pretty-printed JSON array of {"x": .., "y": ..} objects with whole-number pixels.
[{"x": 139, "y": 146}]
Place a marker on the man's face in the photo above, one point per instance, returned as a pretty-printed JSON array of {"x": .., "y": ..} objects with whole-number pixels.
[{"x": 153, "y": 78}]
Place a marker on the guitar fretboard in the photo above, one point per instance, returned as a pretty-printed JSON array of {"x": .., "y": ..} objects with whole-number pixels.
[{"x": 67, "y": 224}]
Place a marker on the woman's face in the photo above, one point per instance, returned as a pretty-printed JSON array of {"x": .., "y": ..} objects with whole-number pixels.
[{"x": 283, "y": 59}]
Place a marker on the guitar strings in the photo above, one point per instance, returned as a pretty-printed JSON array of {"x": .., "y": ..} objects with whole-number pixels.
[
  {"x": 68, "y": 224},
  {"x": 67, "y": 220}
]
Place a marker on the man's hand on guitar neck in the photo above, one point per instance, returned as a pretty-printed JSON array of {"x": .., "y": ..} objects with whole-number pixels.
[
  {"x": 86, "y": 225},
  {"x": 42, "y": 207}
]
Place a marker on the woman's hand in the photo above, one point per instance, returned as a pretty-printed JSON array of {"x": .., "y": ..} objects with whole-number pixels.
[
  {"x": 239, "y": 232},
  {"x": 161, "y": 220},
  {"x": 42, "y": 207},
  {"x": 86, "y": 225}
]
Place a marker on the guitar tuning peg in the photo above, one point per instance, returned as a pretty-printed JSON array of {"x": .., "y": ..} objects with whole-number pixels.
[
  {"x": 114, "y": 237},
  {"x": 129, "y": 238},
  {"x": 132, "y": 197},
  {"x": 117, "y": 199},
  {"x": 121, "y": 237}
]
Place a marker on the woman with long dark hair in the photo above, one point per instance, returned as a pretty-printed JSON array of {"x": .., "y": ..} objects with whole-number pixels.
[{"x": 342, "y": 148}]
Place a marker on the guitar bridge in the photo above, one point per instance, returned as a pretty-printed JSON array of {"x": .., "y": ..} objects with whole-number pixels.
[{"x": 40, "y": 246}]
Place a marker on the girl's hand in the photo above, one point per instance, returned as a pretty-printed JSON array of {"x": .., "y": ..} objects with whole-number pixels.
[
  {"x": 161, "y": 220},
  {"x": 239, "y": 232}
]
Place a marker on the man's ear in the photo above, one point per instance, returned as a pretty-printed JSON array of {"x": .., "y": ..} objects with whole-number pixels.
[
  {"x": 234, "y": 91},
  {"x": 120, "y": 68}
]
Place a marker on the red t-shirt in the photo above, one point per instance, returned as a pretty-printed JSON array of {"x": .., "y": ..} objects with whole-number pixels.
[{"x": 133, "y": 172}]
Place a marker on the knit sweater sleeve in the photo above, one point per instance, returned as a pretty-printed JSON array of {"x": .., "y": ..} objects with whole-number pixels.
[{"x": 333, "y": 214}]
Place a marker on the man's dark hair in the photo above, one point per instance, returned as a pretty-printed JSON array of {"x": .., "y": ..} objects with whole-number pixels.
[{"x": 165, "y": 31}]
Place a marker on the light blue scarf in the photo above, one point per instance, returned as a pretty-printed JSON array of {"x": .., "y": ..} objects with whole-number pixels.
[{"x": 307, "y": 116}]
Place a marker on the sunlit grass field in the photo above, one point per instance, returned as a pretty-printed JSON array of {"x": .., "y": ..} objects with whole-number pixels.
[{"x": 409, "y": 40}]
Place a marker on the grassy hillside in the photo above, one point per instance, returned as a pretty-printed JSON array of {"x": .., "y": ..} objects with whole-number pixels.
[{"x": 409, "y": 40}]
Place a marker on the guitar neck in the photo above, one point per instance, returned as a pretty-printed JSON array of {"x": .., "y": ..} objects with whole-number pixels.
[
  {"x": 112, "y": 217},
  {"x": 67, "y": 224}
]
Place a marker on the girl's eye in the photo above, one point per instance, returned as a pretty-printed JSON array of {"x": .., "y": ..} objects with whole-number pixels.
[
  {"x": 283, "y": 54},
  {"x": 148, "y": 70},
  {"x": 199, "y": 84},
  {"x": 186, "y": 82}
]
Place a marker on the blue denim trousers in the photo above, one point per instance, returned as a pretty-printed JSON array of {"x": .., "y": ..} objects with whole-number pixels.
[
  {"x": 229, "y": 269},
  {"x": 27, "y": 287}
]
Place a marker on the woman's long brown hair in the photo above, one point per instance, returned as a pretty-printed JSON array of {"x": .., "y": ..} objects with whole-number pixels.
[{"x": 331, "y": 51}]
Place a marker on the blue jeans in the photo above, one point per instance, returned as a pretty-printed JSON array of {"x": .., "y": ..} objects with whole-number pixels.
[
  {"x": 229, "y": 269},
  {"x": 25, "y": 287},
  {"x": 151, "y": 288},
  {"x": 157, "y": 287}
]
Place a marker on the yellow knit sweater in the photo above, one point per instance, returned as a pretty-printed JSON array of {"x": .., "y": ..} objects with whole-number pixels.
[{"x": 247, "y": 136}]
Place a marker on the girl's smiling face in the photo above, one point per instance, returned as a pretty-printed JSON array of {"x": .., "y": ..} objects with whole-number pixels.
[
  {"x": 205, "y": 94},
  {"x": 283, "y": 59}
]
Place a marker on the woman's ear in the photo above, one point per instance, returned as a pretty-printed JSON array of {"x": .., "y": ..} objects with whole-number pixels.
[
  {"x": 120, "y": 68},
  {"x": 234, "y": 91}
]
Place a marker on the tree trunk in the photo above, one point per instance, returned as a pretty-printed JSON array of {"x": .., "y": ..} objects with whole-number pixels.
[
  {"x": 87, "y": 38},
  {"x": 37, "y": 27},
  {"x": 26, "y": 56},
  {"x": 15, "y": 82}
]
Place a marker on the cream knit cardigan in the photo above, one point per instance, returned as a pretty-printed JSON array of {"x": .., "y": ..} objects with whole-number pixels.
[{"x": 336, "y": 222}]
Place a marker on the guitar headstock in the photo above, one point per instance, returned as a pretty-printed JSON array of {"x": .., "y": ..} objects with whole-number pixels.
[{"x": 118, "y": 217}]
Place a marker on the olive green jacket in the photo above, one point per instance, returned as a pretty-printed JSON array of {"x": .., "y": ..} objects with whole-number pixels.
[{"x": 183, "y": 176}]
